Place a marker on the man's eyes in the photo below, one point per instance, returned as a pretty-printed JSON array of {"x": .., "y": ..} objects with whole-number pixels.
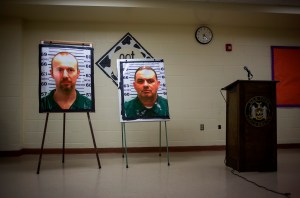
[
  {"x": 149, "y": 81},
  {"x": 68, "y": 70}
]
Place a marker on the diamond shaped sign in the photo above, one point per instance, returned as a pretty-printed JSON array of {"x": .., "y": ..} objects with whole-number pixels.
[{"x": 126, "y": 48}]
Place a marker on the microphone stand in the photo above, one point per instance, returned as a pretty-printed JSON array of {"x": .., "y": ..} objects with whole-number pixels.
[{"x": 250, "y": 76}]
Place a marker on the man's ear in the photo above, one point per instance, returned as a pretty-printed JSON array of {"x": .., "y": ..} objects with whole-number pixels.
[{"x": 51, "y": 72}]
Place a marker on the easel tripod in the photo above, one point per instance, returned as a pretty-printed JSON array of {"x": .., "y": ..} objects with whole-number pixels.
[
  {"x": 63, "y": 149},
  {"x": 124, "y": 144}
]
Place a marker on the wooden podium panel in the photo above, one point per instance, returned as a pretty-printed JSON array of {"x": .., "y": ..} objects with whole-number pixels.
[{"x": 251, "y": 128}]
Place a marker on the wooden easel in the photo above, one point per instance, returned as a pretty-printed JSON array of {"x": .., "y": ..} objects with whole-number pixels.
[
  {"x": 124, "y": 144},
  {"x": 63, "y": 149}
]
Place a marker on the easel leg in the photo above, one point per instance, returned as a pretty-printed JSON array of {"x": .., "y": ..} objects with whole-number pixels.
[
  {"x": 64, "y": 136},
  {"x": 167, "y": 143},
  {"x": 42, "y": 146},
  {"x": 95, "y": 146},
  {"x": 124, "y": 141},
  {"x": 159, "y": 138}
]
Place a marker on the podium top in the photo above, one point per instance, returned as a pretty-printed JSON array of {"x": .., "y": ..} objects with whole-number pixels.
[{"x": 247, "y": 81}]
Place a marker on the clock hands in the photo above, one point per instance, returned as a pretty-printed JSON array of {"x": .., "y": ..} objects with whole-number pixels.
[{"x": 203, "y": 35}]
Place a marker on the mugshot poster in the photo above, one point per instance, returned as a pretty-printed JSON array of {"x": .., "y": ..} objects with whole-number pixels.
[
  {"x": 66, "y": 82},
  {"x": 142, "y": 90}
]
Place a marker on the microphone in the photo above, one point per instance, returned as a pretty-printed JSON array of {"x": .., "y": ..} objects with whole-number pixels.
[{"x": 250, "y": 76}]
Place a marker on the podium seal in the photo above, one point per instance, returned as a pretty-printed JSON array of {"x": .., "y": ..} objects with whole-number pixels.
[{"x": 258, "y": 111}]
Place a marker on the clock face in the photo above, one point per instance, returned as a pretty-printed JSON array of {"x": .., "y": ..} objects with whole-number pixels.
[{"x": 203, "y": 35}]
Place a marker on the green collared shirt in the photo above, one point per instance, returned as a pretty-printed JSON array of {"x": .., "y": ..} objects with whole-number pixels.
[
  {"x": 134, "y": 109},
  {"x": 48, "y": 104}
]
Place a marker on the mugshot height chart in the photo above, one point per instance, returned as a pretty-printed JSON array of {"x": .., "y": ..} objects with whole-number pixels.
[
  {"x": 126, "y": 72},
  {"x": 84, "y": 56}
]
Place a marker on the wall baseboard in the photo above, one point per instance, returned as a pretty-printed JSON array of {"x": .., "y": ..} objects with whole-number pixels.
[{"x": 35, "y": 151}]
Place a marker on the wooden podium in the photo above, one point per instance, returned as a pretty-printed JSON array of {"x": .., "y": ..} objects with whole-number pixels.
[{"x": 251, "y": 129}]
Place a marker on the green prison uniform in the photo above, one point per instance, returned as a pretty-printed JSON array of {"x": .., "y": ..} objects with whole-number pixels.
[
  {"x": 81, "y": 103},
  {"x": 134, "y": 109}
]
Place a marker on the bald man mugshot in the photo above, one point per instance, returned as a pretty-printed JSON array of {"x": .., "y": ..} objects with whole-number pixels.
[{"x": 65, "y": 72}]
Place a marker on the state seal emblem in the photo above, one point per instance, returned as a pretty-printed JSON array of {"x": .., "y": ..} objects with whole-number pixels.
[{"x": 258, "y": 111}]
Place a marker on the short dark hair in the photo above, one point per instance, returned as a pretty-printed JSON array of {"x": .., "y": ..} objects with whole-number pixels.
[{"x": 145, "y": 68}]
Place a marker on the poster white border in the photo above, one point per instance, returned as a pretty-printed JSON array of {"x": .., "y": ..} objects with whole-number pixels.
[{"x": 126, "y": 71}]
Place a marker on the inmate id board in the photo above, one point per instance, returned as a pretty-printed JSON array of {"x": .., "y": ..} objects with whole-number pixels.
[
  {"x": 72, "y": 74},
  {"x": 142, "y": 90}
]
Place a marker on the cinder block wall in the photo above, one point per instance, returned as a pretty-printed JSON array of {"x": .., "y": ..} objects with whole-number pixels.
[{"x": 194, "y": 74}]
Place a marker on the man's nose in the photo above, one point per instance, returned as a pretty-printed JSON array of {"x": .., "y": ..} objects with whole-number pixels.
[
  {"x": 65, "y": 74},
  {"x": 146, "y": 84}
]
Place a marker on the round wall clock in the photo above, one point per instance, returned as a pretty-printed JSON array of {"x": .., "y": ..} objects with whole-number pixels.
[{"x": 203, "y": 35}]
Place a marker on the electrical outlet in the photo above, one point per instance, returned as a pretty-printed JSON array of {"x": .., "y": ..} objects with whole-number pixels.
[{"x": 201, "y": 127}]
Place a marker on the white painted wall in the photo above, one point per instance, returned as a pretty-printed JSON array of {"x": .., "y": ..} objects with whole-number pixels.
[
  {"x": 194, "y": 73},
  {"x": 11, "y": 39}
]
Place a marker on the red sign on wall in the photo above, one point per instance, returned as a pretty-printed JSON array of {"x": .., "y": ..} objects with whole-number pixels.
[{"x": 286, "y": 70}]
